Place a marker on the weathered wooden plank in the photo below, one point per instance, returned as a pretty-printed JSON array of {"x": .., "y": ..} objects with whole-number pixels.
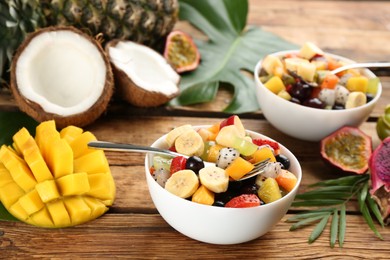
[{"x": 149, "y": 236}]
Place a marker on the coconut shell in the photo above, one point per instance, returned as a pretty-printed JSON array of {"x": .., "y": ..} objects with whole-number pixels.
[
  {"x": 34, "y": 109},
  {"x": 132, "y": 93}
]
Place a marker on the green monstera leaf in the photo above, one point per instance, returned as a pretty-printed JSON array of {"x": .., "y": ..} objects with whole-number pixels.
[{"x": 231, "y": 47}]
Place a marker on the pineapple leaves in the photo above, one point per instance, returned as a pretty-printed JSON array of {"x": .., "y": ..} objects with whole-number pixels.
[
  {"x": 232, "y": 47},
  {"x": 10, "y": 123},
  {"x": 336, "y": 193}
]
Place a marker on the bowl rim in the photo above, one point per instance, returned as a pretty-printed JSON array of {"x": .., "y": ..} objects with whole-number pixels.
[
  {"x": 292, "y": 193},
  {"x": 368, "y": 72}
]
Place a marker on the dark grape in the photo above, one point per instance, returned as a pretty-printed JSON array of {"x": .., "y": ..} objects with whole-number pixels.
[
  {"x": 219, "y": 203},
  {"x": 194, "y": 163},
  {"x": 369, "y": 97},
  {"x": 249, "y": 189},
  {"x": 301, "y": 91},
  {"x": 314, "y": 102},
  {"x": 283, "y": 160},
  {"x": 338, "y": 107}
]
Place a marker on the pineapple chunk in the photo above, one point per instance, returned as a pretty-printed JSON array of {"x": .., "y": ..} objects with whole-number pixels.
[
  {"x": 78, "y": 210},
  {"x": 69, "y": 133},
  {"x": 293, "y": 63},
  {"x": 93, "y": 162},
  {"x": 306, "y": 71},
  {"x": 58, "y": 213},
  {"x": 47, "y": 190},
  {"x": 31, "y": 202},
  {"x": 309, "y": 50},
  {"x": 271, "y": 63},
  {"x": 73, "y": 184},
  {"x": 80, "y": 144}
]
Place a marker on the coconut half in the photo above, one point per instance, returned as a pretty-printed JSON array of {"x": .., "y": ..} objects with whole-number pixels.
[
  {"x": 63, "y": 74},
  {"x": 143, "y": 76}
]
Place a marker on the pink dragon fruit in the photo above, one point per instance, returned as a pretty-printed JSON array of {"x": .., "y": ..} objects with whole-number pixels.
[{"x": 379, "y": 165}]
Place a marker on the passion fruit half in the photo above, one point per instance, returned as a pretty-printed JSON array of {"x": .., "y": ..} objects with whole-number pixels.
[
  {"x": 348, "y": 149},
  {"x": 181, "y": 52}
]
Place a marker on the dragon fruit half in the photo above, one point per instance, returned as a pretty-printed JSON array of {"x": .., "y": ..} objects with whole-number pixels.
[{"x": 380, "y": 178}]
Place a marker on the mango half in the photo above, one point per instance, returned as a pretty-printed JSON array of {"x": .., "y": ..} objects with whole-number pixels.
[{"x": 54, "y": 180}]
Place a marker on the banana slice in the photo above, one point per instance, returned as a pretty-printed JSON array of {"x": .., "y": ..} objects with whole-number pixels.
[
  {"x": 190, "y": 143},
  {"x": 183, "y": 183},
  {"x": 175, "y": 133},
  {"x": 214, "y": 178},
  {"x": 355, "y": 99}
]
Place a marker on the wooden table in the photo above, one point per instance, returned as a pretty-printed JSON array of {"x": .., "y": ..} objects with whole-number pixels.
[{"x": 134, "y": 229}]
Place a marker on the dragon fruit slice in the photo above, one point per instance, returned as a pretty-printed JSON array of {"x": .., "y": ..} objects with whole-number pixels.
[{"x": 380, "y": 178}]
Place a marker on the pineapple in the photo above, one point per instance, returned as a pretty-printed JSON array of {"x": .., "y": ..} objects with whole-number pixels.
[{"x": 144, "y": 21}]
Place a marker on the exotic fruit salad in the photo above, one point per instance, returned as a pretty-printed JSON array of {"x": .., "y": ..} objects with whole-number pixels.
[
  {"x": 53, "y": 179},
  {"x": 217, "y": 165},
  {"x": 305, "y": 78}
]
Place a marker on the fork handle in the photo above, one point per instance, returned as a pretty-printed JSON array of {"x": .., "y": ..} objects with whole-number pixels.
[{"x": 110, "y": 146}]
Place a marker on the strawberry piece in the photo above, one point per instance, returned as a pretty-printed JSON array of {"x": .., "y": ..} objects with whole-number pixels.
[
  {"x": 259, "y": 142},
  {"x": 178, "y": 163},
  {"x": 244, "y": 201},
  {"x": 172, "y": 148}
]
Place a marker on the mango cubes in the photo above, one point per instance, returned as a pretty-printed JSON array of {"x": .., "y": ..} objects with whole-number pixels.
[{"x": 53, "y": 179}]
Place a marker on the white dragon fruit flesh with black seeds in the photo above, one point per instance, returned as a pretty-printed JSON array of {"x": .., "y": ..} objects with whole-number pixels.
[
  {"x": 380, "y": 178},
  {"x": 226, "y": 156}
]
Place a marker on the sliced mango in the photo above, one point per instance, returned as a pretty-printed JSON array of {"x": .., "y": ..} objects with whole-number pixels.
[
  {"x": 78, "y": 210},
  {"x": 73, "y": 184},
  {"x": 31, "y": 202},
  {"x": 238, "y": 168},
  {"x": 359, "y": 83},
  {"x": 39, "y": 179},
  {"x": 93, "y": 162},
  {"x": 18, "y": 169},
  {"x": 59, "y": 214},
  {"x": 262, "y": 154},
  {"x": 27, "y": 146},
  {"x": 10, "y": 193},
  {"x": 69, "y": 133},
  {"x": 203, "y": 196},
  {"x": 47, "y": 190},
  {"x": 80, "y": 144}
]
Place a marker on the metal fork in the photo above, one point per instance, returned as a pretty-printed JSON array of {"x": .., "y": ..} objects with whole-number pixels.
[{"x": 120, "y": 147}]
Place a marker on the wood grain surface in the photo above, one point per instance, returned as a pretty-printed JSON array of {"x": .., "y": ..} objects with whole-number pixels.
[{"x": 133, "y": 228}]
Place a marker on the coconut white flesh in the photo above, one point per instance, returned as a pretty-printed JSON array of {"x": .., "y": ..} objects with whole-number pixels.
[
  {"x": 145, "y": 67},
  {"x": 62, "y": 71}
]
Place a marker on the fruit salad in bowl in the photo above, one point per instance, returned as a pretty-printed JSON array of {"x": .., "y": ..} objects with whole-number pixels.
[
  {"x": 301, "y": 97},
  {"x": 205, "y": 195}
]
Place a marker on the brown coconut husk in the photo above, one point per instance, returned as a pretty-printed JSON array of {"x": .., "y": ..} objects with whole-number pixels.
[{"x": 34, "y": 109}]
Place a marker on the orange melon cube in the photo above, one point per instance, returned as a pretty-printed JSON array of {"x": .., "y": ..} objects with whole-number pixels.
[{"x": 287, "y": 180}]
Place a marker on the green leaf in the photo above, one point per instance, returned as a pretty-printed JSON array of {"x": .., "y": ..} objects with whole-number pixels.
[
  {"x": 231, "y": 47},
  {"x": 318, "y": 229},
  {"x": 368, "y": 219},
  {"x": 363, "y": 195},
  {"x": 343, "y": 181},
  {"x": 317, "y": 202},
  {"x": 323, "y": 195},
  {"x": 298, "y": 217},
  {"x": 306, "y": 222},
  {"x": 375, "y": 210},
  {"x": 342, "y": 224},
  {"x": 334, "y": 228},
  {"x": 10, "y": 123}
]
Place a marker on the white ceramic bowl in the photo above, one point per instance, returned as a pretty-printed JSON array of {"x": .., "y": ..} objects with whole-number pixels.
[
  {"x": 306, "y": 123},
  {"x": 218, "y": 225}
]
